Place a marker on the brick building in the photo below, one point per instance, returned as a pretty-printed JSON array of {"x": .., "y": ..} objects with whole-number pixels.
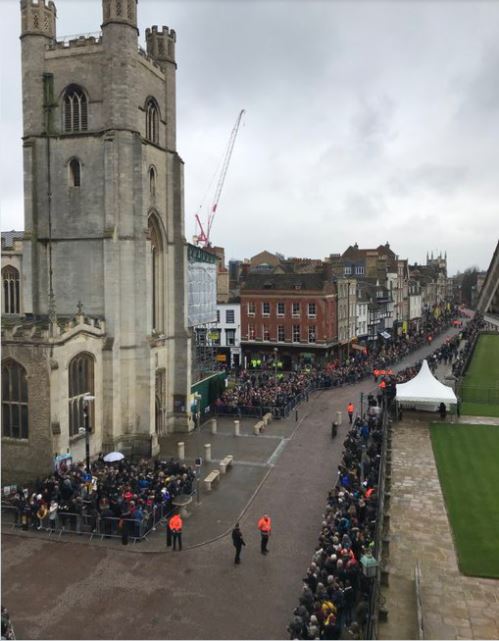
[{"x": 290, "y": 317}]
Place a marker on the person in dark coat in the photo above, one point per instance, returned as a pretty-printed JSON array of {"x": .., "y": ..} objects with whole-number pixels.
[{"x": 238, "y": 542}]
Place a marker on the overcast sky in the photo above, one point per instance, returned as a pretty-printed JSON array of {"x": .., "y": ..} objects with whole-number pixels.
[{"x": 366, "y": 121}]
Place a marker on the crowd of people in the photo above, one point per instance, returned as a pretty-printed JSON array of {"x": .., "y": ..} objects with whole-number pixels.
[
  {"x": 334, "y": 600},
  {"x": 113, "y": 498},
  {"x": 268, "y": 388},
  {"x": 264, "y": 389}
]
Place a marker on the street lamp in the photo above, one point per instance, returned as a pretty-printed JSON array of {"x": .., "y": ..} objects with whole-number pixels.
[
  {"x": 86, "y": 400},
  {"x": 369, "y": 564},
  {"x": 275, "y": 364}
]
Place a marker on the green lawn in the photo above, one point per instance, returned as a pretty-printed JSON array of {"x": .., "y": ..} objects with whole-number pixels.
[
  {"x": 481, "y": 379},
  {"x": 467, "y": 461}
]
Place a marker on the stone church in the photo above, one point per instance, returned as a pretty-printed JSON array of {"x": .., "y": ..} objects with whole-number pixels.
[{"x": 94, "y": 291}]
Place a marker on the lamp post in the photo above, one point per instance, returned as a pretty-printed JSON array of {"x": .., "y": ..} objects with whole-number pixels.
[
  {"x": 86, "y": 400},
  {"x": 275, "y": 364}
]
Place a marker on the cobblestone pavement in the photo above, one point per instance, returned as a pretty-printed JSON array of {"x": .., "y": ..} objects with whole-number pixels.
[
  {"x": 454, "y": 606},
  {"x": 65, "y": 590}
]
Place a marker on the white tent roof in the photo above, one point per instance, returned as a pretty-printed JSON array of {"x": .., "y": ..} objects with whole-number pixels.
[{"x": 425, "y": 388}]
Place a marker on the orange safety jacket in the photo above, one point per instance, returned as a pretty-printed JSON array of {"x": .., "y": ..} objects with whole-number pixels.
[
  {"x": 350, "y": 408},
  {"x": 382, "y": 385},
  {"x": 175, "y": 523},
  {"x": 265, "y": 525}
]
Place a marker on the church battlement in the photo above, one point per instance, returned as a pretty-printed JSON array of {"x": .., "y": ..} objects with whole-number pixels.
[
  {"x": 143, "y": 54},
  {"x": 38, "y": 18},
  {"x": 83, "y": 40},
  {"x": 161, "y": 44}
]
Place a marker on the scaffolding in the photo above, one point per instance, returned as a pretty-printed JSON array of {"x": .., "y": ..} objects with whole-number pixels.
[{"x": 202, "y": 311}]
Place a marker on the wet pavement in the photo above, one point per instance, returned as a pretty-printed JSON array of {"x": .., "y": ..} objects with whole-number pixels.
[
  {"x": 454, "y": 606},
  {"x": 75, "y": 590}
]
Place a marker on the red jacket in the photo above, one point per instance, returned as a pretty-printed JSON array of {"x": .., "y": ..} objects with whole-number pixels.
[
  {"x": 265, "y": 525},
  {"x": 176, "y": 523}
]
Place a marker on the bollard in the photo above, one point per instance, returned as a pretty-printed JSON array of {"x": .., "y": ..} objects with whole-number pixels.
[
  {"x": 213, "y": 425},
  {"x": 338, "y": 417},
  {"x": 236, "y": 428},
  {"x": 296, "y": 415},
  {"x": 207, "y": 452},
  {"x": 180, "y": 451}
]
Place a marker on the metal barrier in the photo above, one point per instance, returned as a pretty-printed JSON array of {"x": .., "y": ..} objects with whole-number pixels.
[
  {"x": 92, "y": 525},
  {"x": 11, "y": 513},
  {"x": 374, "y": 600}
]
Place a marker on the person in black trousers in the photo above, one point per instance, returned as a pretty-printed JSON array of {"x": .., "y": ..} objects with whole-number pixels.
[{"x": 238, "y": 541}]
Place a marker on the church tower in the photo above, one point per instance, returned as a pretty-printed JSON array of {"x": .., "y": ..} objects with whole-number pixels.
[{"x": 104, "y": 219}]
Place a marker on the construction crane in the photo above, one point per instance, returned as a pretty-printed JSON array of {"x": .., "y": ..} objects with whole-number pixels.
[{"x": 203, "y": 238}]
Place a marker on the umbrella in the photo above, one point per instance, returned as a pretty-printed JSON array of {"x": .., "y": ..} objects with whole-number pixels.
[{"x": 113, "y": 456}]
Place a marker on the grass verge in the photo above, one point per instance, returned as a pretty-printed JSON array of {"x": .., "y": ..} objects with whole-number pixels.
[{"x": 466, "y": 457}]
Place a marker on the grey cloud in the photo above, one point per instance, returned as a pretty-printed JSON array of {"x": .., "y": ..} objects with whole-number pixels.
[
  {"x": 363, "y": 207},
  {"x": 479, "y": 92},
  {"x": 372, "y": 123},
  {"x": 444, "y": 180}
]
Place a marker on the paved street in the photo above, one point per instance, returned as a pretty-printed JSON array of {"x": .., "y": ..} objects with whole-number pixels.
[{"x": 70, "y": 590}]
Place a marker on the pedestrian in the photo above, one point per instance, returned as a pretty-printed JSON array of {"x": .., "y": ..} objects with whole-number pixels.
[
  {"x": 176, "y": 524},
  {"x": 265, "y": 527},
  {"x": 53, "y": 514},
  {"x": 350, "y": 411},
  {"x": 442, "y": 411},
  {"x": 238, "y": 541}
]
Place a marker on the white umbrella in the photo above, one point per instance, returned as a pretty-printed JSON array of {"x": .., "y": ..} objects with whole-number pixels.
[{"x": 113, "y": 456}]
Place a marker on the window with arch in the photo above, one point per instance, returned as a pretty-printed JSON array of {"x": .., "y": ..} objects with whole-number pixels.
[
  {"x": 11, "y": 290},
  {"x": 152, "y": 121},
  {"x": 81, "y": 383},
  {"x": 74, "y": 172},
  {"x": 152, "y": 182},
  {"x": 157, "y": 276},
  {"x": 14, "y": 400},
  {"x": 75, "y": 114}
]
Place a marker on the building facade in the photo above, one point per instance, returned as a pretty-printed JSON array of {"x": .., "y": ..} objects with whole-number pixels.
[
  {"x": 291, "y": 316},
  {"x": 103, "y": 287}
]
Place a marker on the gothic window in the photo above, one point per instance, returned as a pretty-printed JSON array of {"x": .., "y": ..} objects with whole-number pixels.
[
  {"x": 152, "y": 121},
  {"x": 152, "y": 182},
  {"x": 74, "y": 172},
  {"x": 80, "y": 383},
  {"x": 74, "y": 110},
  {"x": 14, "y": 400},
  {"x": 11, "y": 290},
  {"x": 157, "y": 277}
]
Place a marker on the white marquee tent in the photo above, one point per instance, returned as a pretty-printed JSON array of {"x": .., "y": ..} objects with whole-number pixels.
[{"x": 425, "y": 392}]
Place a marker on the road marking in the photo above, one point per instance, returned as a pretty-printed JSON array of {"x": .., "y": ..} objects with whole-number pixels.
[{"x": 277, "y": 451}]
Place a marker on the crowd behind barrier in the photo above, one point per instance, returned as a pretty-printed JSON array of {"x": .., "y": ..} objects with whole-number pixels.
[
  {"x": 335, "y": 598},
  {"x": 112, "y": 500},
  {"x": 256, "y": 392}
]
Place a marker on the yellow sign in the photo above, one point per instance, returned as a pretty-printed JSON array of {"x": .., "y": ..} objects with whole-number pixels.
[{"x": 221, "y": 358}]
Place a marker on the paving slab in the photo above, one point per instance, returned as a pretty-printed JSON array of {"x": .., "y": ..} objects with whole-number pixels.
[{"x": 454, "y": 606}]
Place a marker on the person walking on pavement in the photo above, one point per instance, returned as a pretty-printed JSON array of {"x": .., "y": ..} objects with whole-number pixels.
[
  {"x": 238, "y": 541},
  {"x": 350, "y": 411},
  {"x": 176, "y": 524},
  {"x": 265, "y": 527}
]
